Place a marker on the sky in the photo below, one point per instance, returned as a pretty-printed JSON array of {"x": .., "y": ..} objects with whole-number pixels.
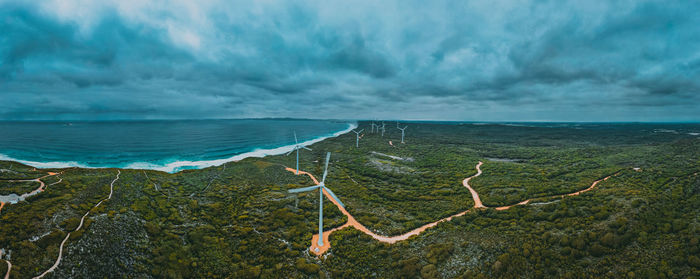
[{"x": 413, "y": 60}]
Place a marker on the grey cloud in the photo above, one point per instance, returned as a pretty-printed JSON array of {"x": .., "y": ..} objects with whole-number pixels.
[
  {"x": 357, "y": 57},
  {"x": 227, "y": 59}
]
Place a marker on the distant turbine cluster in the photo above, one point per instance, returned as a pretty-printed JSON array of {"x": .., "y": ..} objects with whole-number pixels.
[{"x": 376, "y": 128}]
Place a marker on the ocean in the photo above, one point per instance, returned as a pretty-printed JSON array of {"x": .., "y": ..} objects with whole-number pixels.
[{"x": 166, "y": 145}]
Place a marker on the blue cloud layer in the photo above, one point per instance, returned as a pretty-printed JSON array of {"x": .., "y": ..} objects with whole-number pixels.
[{"x": 456, "y": 60}]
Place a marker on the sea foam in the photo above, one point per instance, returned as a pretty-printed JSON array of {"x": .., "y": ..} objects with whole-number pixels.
[{"x": 176, "y": 166}]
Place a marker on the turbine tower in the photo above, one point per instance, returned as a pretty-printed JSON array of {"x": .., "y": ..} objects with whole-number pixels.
[
  {"x": 297, "y": 147},
  {"x": 402, "y": 132},
  {"x": 321, "y": 186},
  {"x": 357, "y": 141},
  {"x": 373, "y": 125},
  {"x": 383, "y": 128}
]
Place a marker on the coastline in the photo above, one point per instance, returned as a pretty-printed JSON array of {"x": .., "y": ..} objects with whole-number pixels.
[{"x": 177, "y": 166}]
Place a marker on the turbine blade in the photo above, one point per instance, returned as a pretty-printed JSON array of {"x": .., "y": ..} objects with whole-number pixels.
[
  {"x": 290, "y": 152},
  {"x": 309, "y": 149},
  {"x": 325, "y": 172},
  {"x": 305, "y": 189},
  {"x": 360, "y": 131},
  {"x": 295, "y": 137},
  {"x": 334, "y": 196}
]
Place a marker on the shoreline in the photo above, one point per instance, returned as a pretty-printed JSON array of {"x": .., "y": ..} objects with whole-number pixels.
[{"x": 181, "y": 165}]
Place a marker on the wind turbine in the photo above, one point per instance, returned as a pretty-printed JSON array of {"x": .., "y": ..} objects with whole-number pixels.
[
  {"x": 297, "y": 147},
  {"x": 357, "y": 142},
  {"x": 321, "y": 186},
  {"x": 373, "y": 127},
  {"x": 383, "y": 128},
  {"x": 402, "y": 131}
]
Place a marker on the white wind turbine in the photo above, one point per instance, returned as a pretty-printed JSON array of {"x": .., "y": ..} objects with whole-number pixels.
[
  {"x": 357, "y": 141},
  {"x": 402, "y": 131},
  {"x": 321, "y": 186},
  {"x": 297, "y": 147},
  {"x": 383, "y": 128},
  {"x": 373, "y": 125}
]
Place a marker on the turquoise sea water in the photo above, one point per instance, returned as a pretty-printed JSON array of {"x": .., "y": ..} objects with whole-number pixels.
[{"x": 168, "y": 145}]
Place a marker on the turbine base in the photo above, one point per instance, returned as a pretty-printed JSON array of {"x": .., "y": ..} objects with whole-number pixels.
[{"x": 316, "y": 249}]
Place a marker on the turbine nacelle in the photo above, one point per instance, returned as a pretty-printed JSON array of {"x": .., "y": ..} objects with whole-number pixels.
[
  {"x": 321, "y": 186},
  {"x": 297, "y": 147}
]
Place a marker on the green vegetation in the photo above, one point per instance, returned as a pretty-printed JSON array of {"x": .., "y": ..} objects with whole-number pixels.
[
  {"x": 18, "y": 187},
  {"x": 238, "y": 221}
]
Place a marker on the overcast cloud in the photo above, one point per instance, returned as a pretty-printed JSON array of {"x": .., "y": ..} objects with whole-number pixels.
[{"x": 441, "y": 60}]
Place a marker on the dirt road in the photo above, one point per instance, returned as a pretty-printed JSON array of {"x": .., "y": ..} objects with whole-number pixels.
[{"x": 393, "y": 239}]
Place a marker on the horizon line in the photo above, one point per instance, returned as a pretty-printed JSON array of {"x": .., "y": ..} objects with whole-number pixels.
[{"x": 337, "y": 119}]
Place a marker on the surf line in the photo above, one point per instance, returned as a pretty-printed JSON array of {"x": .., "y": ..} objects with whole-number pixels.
[
  {"x": 60, "y": 249},
  {"x": 393, "y": 239},
  {"x": 174, "y": 167}
]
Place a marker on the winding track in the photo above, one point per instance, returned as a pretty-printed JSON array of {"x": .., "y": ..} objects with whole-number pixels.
[
  {"x": 9, "y": 267},
  {"x": 60, "y": 249},
  {"x": 41, "y": 188},
  {"x": 393, "y": 239},
  {"x": 352, "y": 222}
]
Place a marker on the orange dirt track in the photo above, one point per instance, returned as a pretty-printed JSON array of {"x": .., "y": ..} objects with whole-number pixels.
[{"x": 319, "y": 250}]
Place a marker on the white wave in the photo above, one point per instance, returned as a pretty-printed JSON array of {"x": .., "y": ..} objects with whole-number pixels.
[
  {"x": 182, "y": 165},
  {"x": 44, "y": 165}
]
